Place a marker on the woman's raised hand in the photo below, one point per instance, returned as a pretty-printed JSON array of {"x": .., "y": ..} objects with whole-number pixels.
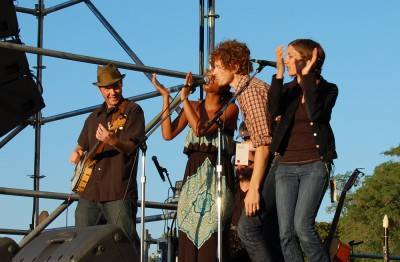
[
  {"x": 280, "y": 64},
  {"x": 310, "y": 63},
  {"x": 187, "y": 86},
  {"x": 160, "y": 88}
]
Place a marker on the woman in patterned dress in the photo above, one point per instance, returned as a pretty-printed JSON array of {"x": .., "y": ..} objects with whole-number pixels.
[{"x": 197, "y": 207}]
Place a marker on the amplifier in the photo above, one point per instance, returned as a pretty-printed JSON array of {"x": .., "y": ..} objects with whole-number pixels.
[
  {"x": 8, "y": 248},
  {"x": 97, "y": 243}
]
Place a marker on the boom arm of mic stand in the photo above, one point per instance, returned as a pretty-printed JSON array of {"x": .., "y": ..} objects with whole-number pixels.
[
  {"x": 258, "y": 70},
  {"x": 233, "y": 98}
]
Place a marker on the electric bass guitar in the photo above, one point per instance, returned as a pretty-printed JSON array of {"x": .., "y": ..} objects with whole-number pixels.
[
  {"x": 84, "y": 168},
  {"x": 339, "y": 251}
]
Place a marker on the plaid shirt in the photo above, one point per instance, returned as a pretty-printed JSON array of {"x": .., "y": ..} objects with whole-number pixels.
[{"x": 253, "y": 104}]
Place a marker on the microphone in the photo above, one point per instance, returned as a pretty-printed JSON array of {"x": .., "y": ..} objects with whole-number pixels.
[
  {"x": 159, "y": 168},
  {"x": 196, "y": 82},
  {"x": 263, "y": 62},
  {"x": 201, "y": 81}
]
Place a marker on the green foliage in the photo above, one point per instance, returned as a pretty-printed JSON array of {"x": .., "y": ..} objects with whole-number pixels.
[
  {"x": 365, "y": 209},
  {"x": 322, "y": 229},
  {"x": 394, "y": 151}
]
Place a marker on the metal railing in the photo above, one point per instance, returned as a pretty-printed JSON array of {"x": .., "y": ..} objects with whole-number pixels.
[{"x": 371, "y": 256}]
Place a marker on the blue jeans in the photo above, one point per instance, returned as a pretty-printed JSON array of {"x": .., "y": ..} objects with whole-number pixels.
[
  {"x": 120, "y": 212},
  {"x": 260, "y": 234},
  {"x": 299, "y": 192}
]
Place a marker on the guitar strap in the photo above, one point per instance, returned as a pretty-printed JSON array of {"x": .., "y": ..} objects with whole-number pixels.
[{"x": 120, "y": 111}]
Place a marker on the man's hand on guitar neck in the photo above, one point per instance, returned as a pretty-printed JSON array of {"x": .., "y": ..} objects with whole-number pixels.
[{"x": 76, "y": 155}]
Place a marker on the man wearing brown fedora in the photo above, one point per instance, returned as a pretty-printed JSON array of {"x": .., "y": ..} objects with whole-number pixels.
[{"x": 111, "y": 191}]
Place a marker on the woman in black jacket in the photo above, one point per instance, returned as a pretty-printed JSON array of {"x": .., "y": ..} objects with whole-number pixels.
[{"x": 304, "y": 145}]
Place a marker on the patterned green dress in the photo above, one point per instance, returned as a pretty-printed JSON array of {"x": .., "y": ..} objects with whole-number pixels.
[{"x": 197, "y": 207}]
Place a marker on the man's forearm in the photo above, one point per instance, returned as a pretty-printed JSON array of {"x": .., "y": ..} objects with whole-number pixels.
[{"x": 260, "y": 164}]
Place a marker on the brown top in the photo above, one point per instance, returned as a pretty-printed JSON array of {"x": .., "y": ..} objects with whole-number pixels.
[
  {"x": 301, "y": 145},
  {"x": 111, "y": 173},
  {"x": 253, "y": 104}
]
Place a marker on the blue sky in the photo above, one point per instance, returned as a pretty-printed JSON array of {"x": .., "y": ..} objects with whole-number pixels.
[{"x": 361, "y": 40}]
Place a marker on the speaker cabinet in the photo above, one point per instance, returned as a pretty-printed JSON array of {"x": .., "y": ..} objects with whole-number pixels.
[
  {"x": 97, "y": 243},
  {"x": 13, "y": 64},
  {"x": 8, "y": 19},
  {"x": 19, "y": 94},
  {"x": 8, "y": 248}
]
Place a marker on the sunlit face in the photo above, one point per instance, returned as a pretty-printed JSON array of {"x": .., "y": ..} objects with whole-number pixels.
[
  {"x": 222, "y": 75},
  {"x": 294, "y": 61},
  {"x": 213, "y": 86},
  {"x": 112, "y": 94}
]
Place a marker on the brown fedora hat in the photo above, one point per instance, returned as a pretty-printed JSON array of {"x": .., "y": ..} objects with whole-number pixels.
[{"x": 108, "y": 75}]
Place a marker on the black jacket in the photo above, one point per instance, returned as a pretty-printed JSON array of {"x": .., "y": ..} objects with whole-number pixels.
[{"x": 319, "y": 101}]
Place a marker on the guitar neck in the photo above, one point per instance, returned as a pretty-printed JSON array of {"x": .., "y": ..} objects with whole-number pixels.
[
  {"x": 92, "y": 152},
  {"x": 335, "y": 220},
  {"x": 350, "y": 182}
]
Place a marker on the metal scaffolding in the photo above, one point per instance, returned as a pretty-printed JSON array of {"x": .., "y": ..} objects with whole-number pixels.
[
  {"x": 40, "y": 11},
  {"x": 206, "y": 14}
]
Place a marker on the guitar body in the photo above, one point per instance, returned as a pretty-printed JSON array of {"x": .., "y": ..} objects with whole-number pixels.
[
  {"x": 84, "y": 168},
  {"x": 343, "y": 252},
  {"x": 82, "y": 173},
  {"x": 339, "y": 251}
]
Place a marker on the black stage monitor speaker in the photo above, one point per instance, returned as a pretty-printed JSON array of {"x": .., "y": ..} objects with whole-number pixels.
[
  {"x": 20, "y": 97},
  {"x": 8, "y": 19},
  {"x": 103, "y": 243},
  {"x": 13, "y": 64},
  {"x": 8, "y": 248}
]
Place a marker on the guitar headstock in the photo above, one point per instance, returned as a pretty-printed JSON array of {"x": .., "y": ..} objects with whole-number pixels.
[
  {"x": 117, "y": 123},
  {"x": 352, "y": 179},
  {"x": 350, "y": 182}
]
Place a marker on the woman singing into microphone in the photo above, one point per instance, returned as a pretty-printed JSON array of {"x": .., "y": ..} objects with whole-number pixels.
[
  {"x": 304, "y": 144},
  {"x": 197, "y": 206}
]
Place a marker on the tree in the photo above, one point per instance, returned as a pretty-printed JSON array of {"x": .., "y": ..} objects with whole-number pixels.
[
  {"x": 322, "y": 229},
  {"x": 378, "y": 195}
]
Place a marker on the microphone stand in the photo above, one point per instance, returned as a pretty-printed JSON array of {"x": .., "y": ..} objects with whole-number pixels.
[
  {"x": 171, "y": 243},
  {"x": 169, "y": 181},
  {"x": 217, "y": 120},
  {"x": 143, "y": 147}
]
